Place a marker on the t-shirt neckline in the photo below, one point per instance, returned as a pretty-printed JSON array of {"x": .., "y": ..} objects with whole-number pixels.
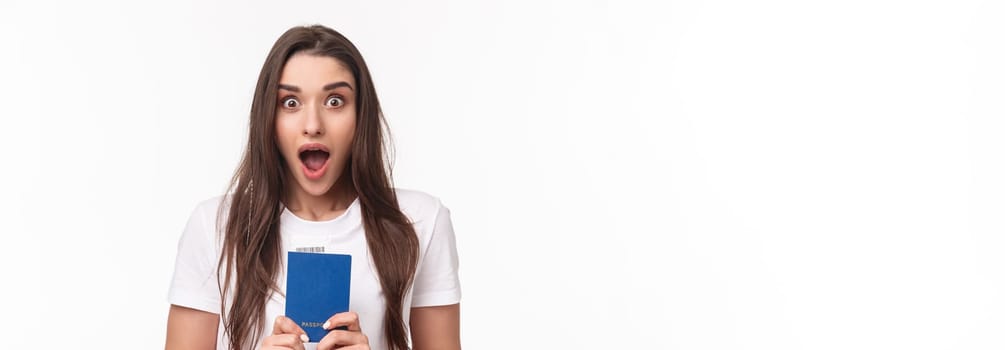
[{"x": 290, "y": 222}]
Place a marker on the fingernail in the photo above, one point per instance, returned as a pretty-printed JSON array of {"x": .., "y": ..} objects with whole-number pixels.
[
  {"x": 326, "y": 325},
  {"x": 303, "y": 337}
]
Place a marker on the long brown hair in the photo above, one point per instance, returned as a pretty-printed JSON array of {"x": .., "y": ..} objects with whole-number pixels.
[{"x": 252, "y": 251}]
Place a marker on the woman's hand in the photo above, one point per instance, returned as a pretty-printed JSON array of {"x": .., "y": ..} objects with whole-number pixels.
[
  {"x": 351, "y": 338},
  {"x": 286, "y": 335}
]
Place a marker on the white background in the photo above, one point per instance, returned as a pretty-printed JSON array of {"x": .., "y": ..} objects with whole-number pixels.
[{"x": 684, "y": 175}]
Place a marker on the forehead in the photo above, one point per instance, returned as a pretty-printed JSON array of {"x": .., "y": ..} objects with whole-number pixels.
[{"x": 312, "y": 72}]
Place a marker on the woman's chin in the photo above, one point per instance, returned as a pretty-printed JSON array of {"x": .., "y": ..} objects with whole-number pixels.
[{"x": 315, "y": 188}]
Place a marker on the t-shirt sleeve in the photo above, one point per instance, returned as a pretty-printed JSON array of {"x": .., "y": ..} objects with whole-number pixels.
[
  {"x": 436, "y": 280},
  {"x": 195, "y": 284}
]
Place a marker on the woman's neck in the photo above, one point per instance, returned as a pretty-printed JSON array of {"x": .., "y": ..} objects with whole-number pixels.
[{"x": 319, "y": 208}]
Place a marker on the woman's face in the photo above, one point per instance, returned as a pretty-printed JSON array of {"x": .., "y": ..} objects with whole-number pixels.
[{"x": 315, "y": 120}]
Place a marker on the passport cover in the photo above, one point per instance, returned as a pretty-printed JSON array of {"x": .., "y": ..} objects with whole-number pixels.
[{"x": 317, "y": 287}]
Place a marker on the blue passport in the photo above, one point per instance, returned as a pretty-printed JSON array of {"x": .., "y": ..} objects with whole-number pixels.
[{"x": 317, "y": 287}]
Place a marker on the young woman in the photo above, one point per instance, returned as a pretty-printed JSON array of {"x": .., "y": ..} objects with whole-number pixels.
[{"x": 314, "y": 176}]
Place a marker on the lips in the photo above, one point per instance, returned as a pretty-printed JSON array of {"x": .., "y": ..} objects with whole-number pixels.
[{"x": 314, "y": 157}]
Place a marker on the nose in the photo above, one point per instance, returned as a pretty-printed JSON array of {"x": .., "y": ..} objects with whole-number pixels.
[{"x": 313, "y": 126}]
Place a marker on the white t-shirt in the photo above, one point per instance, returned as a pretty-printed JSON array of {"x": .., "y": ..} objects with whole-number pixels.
[{"x": 195, "y": 283}]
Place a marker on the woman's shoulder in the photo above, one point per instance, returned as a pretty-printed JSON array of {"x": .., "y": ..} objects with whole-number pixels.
[
  {"x": 418, "y": 205},
  {"x": 209, "y": 210},
  {"x": 428, "y": 215},
  {"x": 212, "y": 205},
  {"x": 202, "y": 232}
]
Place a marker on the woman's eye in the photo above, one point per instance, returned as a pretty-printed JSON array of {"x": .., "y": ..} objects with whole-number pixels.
[
  {"x": 290, "y": 102},
  {"x": 334, "y": 101}
]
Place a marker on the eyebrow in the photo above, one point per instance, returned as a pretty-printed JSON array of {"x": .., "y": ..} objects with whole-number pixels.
[
  {"x": 334, "y": 86},
  {"x": 331, "y": 86}
]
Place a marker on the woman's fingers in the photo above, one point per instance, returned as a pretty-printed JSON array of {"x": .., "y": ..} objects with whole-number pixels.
[
  {"x": 348, "y": 319},
  {"x": 285, "y": 325},
  {"x": 348, "y": 338},
  {"x": 340, "y": 338},
  {"x": 283, "y": 341},
  {"x": 286, "y": 335}
]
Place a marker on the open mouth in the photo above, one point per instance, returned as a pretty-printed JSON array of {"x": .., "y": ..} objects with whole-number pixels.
[{"x": 314, "y": 158}]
